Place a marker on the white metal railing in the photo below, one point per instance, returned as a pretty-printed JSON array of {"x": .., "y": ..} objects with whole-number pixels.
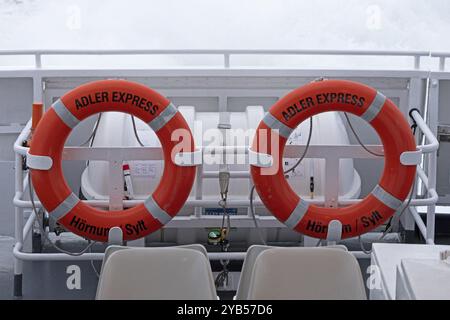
[
  {"x": 226, "y": 54},
  {"x": 427, "y": 175},
  {"x": 198, "y": 220},
  {"x": 442, "y": 58}
]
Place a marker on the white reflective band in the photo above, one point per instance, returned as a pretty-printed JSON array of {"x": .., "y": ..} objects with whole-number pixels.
[
  {"x": 64, "y": 207},
  {"x": 374, "y": 108},
  {"x": 385, "y": 197},
  {"x": 261, "y": 160},
  {"x": 158, "y": 213},
  {"x": 64, "y": 114},
  {"x": 189, "y": 159},
  {"x": 160, "y": 121},
  {"x": 39, "y": 162},
  {"x": 411, "y": 158},
  {"x": 275, "y": 124},
  {"x": 297, "y": 214}
]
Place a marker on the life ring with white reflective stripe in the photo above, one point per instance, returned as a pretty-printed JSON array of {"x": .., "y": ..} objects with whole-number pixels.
[
  {"x": 309, "y": 100},
  {"x": 45, "y": 155}
]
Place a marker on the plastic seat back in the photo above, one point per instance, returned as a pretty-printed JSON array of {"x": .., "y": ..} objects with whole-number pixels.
[
  {"x": 156, "y": 273},
  {"x": 306, "y": 273}
]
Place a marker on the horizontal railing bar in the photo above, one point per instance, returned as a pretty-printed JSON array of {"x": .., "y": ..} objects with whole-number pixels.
[
  {"x": 155, "y": 153},
  {"x": 218, "y": 52},
  {"x": 440, "y": 54},
  {"x": 26, "y": 256},
  {"x": 242, "y": 203}
]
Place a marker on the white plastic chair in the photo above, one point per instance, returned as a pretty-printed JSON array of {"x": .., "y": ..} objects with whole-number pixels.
[
  {"x": 247, "y": 269},
  {"x": 306, "y": 273},
  {"x": 156, "y": 273},
  {"x": 113, "y": 248},
  {"x": 249, "y": 263}
]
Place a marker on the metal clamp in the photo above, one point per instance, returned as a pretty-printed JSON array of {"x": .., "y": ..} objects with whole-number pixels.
[
  {"x": 411, "y": 158},
  {"x": 261, "y": 160},
  {"x": 39, "y": 162},
  {"x": 189, "y": 159}
]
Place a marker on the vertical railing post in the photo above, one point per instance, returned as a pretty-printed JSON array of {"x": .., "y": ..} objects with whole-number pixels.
[
  {"x": 226, "y": 60},
  {"x": 442, "y": 63},
  {"x": 331, "y": 181},
  {"x": 115, "y": 185},
  {"x": 417, "y": 62},
  {"x": 38, "y": 60},
  {"x": 432, "y": 120},
  {"x": 18, "y": 227}
]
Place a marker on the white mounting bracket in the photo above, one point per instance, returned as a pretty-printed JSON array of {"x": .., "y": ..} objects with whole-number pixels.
[
  {"x": 115, "y": 236},
  {"x": 261, "y": 160},
  {"x": 39, "y": 162},
  {"x": 189, "y": 159},
  {"x": 411, "y": 158},
  {"x": 334, "y": 231}
]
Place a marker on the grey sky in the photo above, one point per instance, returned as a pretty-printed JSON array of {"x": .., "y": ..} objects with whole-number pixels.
[{"x": 349, "y": 24}]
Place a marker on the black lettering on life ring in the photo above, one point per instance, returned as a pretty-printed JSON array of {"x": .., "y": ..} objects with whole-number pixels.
[
  {"x": 83, "y": 226},
  {"x": 119, "y": 97},
  {"x": 318, "y": 227},
  {"x": 323, "y": 98},
  {"x": 371, "y": 219},
  {"x": 135, "y": 228},
  {"x": 90, "y": 99}
]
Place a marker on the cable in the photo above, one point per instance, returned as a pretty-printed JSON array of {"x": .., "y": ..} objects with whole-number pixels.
[
  {"x": 306, "y": 148},
  {"x": 92, "y": 136},
  {"x": 42, "y": 229},
  {"x": 359, "y": 140},
  {"x": 97, "y": 273},
  {"x": 222, "y": 277},
  {"x": 252, "y": 190},
  {"x": 400, "y": 214},
  {"x": 363, "y": 249},
  {"x": 94, "y": 132},
  {"x": 222, "y": 203},
  {"x": 252, "y": 211},
  {"x": 135, "y": 132},
  {"x": 391, "y": 222}
]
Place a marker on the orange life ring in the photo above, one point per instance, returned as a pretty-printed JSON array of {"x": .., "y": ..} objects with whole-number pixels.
[
  {"x": 48, "y": 143},
  {"x": 334, "y": 95}
]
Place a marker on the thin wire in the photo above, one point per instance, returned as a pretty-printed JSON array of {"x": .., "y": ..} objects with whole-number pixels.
[
  {"x": 92, "y": 136},
  {"x": 391, "y": 224},
  {"x": 306, "y": 148},
  {"x": 252, "y": 211},
  {"x": 94, "y": 132},
  {"x": 359, "y": 140},
  {"x": 401, "y": 212},
  {"x": 361, "y": 244},
  {"x": 135, "y": 132},
  {"x": 223, "y": 276},
  {"x": 42, "y": 229},
  {"x": 252, "y": 190},
  {"x": 385, "y": 233},
  {"x": 97, "y": 273},
  {"x": 223, "y": 204}
]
